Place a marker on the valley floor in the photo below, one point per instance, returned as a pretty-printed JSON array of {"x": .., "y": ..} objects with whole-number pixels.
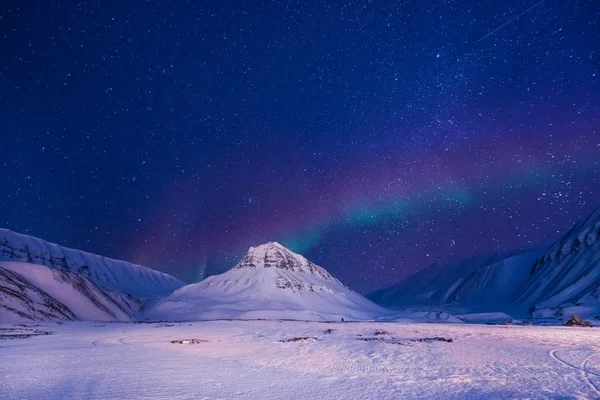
[{"x": 298, "y": 360}]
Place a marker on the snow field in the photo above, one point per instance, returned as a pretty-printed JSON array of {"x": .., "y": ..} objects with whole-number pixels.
[{"x": 251, "y": 360}]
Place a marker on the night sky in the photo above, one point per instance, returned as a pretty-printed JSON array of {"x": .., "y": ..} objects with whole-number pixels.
[{"x": 373, "y": 137}]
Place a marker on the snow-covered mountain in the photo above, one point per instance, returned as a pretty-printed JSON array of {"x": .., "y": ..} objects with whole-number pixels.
[
  {"x": 44, "y": 281},
  {"x": 30, "y": 292},
  {"x": 554, "y": 284},
  {"x": 482, "y": 283},
  {"x": 270, "y": 282},
  {"x": 107, "y": 273},
  {"x": 565, "y": 279}
]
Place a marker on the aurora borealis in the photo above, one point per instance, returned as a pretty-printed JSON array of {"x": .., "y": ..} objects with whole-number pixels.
[{"x": 375, "y": 138}]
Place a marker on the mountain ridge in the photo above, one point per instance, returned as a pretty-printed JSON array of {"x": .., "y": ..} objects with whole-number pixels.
[
  {"x": 567, "y": 274},
  {"x": 542, "y": 284},
  {"x": 106, "y": 272}
]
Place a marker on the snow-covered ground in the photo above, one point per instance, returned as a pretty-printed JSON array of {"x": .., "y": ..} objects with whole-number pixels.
[{"x": 255, "y": 360}]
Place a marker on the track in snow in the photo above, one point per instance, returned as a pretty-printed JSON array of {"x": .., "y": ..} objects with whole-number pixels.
[
  {"x": 111, "y": 340},
  {"x": 584, "y": 372}
]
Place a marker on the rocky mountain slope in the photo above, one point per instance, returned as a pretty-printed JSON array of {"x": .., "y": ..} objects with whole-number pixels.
[
  {"x": 30, "y": 292},
  {"x": 270, "y": 282},
  {"x": 44, "y": 281},
  {"x": 562, "y": 281},
  {"x": 107, "y": 273},
  {"x": 565, "y": 279}
]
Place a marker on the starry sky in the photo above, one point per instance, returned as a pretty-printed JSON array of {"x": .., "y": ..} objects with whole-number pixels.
[{"x": 375, "y": 138}]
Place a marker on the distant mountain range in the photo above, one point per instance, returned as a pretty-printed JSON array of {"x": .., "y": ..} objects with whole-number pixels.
[
  {"x": 45, "y": 281},
  {"x": 482, "y": 283},
  {"x": 552, "y": 284}
]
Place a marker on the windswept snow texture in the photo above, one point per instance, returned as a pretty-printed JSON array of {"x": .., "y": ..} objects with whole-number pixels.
[
  {"x": 107, "y": 273},
  {"x": 565, "y": 280},
  {"x": 270, "y": 282},
  {"x": 30, "y": 292},
  {"x": 479, "y": 284},
  {"x": 249, "y": 360}
]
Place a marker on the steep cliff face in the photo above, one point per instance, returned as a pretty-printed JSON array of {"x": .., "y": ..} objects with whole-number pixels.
[
  {"x": 566, "y": 277},
  {"x": 269, "y": 282},
  {"x": 107, "y": 273}
]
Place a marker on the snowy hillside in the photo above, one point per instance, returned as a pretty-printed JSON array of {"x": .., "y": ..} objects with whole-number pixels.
[
  {"x": 105, "y": 272},
  {"x": 270, "y": 282},
  {"x": 544, "y": 285},
  {"x": 476, "y": 284},
  {"x": 30, "y": 292},
  {"x": 565, "y": 279}
]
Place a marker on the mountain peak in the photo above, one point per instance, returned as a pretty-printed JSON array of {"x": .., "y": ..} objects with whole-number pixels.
[
  {"x": 270, "y": 282},
  {"x": 274, "y": 255},
  {"x": 270, "y": 245}
]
